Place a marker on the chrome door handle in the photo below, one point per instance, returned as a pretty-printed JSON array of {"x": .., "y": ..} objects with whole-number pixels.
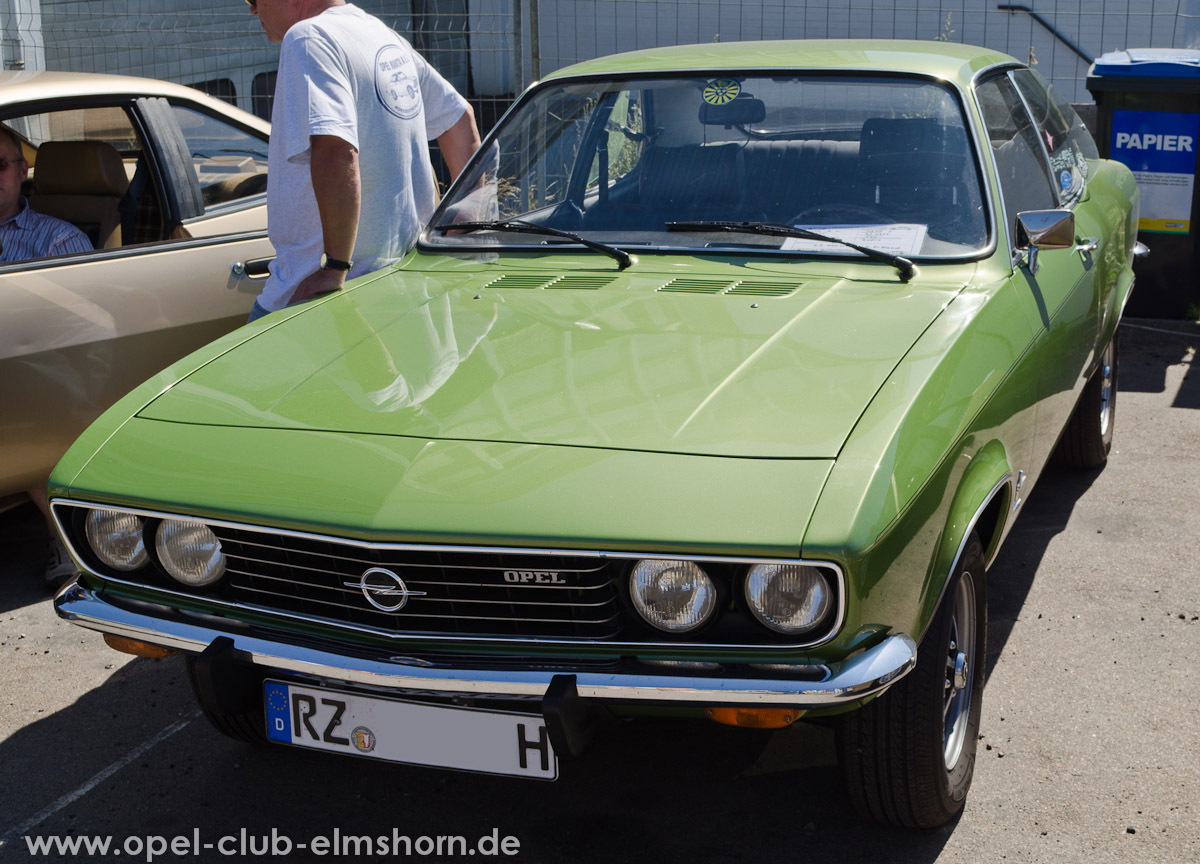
[
  {"x": 259, "y": 268},
  {"x": 1087, "y": 245}
]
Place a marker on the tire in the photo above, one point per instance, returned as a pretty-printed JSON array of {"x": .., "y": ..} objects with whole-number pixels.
[
  {"x": 1087, "y": 438},
  {"x": 908, "y": 757},
  {"x": 241, "y": 717}
]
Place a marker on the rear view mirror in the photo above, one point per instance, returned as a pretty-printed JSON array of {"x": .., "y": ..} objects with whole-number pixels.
[{"x": 741, "y": 111}]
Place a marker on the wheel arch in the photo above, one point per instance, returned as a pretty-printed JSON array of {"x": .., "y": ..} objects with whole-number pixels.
[{"x": 983, "y": 503}]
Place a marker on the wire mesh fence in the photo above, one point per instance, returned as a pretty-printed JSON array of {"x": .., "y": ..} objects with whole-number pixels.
[
  {"x": 491, "y": 49},
  {"x": 1061, "y": 37}
]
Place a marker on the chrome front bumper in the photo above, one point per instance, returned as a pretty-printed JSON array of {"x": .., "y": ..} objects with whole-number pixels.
[{"x": 865, "y": 674}]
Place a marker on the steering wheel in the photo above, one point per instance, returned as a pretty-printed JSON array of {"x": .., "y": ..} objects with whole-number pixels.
[{"x": 831, "y": 214}]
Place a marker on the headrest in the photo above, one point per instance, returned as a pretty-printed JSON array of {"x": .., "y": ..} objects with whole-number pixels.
[
  {"x": 915, "y": 152},
  {"x": 892, "y": 136},
  {"x": 79, "y": 168}
]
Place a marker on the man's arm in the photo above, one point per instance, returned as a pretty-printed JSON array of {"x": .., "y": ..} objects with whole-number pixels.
[
  {"x": 459, "y": 141},
  {"x": 333, "y": 162}
]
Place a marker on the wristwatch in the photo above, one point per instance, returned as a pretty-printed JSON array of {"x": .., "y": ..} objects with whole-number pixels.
[{"x": 328, "y": 263}]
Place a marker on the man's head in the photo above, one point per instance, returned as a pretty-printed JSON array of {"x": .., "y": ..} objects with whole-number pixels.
[
  {"x": 278, "y": 16},
  {"x": 13, "y": 171}
]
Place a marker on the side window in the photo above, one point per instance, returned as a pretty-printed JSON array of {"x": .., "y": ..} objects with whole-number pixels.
[
  {"x": 1069, "y": 145},
  {"x": 87, "y": 166},
  {"x": 230, "y": 163},
  {"x": 1020, "y": 160}
]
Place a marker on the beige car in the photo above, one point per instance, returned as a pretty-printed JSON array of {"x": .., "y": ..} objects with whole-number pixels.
[{"x": 170, "y": 186}]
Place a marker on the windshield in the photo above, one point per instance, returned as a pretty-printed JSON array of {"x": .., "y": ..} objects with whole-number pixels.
[{"x": 882, "y": 162}]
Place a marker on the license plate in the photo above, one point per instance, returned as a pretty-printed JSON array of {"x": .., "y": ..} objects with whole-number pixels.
[{"x": 466, "y": 739}]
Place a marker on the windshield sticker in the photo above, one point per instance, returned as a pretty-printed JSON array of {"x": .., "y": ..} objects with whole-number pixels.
[
  {"x": 721, "y": 91},
  {"x": 1066, "y": 181},
  {"x": 900, "y": 238}
]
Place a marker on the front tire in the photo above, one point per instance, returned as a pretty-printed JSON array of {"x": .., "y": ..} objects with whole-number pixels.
[
  {"x": 1087, "y": 439},
  {"x": 908, "y": 757}
]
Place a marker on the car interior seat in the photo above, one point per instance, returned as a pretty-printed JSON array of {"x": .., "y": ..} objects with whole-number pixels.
[
  {"x": 693, "y": 182},
  {"x": 82, "y": 182},
  {"x": 914, "y": 170}
]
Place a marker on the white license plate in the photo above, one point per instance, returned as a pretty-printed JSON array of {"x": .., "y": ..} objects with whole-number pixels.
[{"x": 467, "y": 739}]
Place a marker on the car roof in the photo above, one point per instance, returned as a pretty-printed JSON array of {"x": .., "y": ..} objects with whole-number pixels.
[
  {"x": 948, "y": 60},
  {"x": 36, "y": 86}
]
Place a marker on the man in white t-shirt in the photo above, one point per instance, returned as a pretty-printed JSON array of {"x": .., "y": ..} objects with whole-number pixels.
[{"x": 350, "y": 183}]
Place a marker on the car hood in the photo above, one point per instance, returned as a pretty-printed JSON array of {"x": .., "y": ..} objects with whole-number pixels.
[{"x": 745, "y": 365}]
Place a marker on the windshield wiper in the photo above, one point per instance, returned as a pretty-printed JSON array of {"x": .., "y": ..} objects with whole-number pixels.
[
  {"x": 520, "y": 226},
  {"x": 776, "y": 229}
]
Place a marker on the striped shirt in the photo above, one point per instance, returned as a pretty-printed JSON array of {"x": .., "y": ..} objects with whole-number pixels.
[{"x": 30, "y": 234}]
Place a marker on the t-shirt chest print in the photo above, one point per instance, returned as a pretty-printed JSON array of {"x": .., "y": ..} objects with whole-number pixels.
[{"x": 396, "y": 82}]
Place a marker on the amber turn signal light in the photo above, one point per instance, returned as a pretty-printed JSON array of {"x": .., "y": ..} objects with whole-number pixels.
[
  {"x": 754, "y": 718},
  {"x": 136, "y": 648}
]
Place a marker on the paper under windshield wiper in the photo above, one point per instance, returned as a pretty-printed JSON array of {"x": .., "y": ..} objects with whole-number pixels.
[
  {"x": 520, "y": 226},
  {"x": 776, "y": 229}
]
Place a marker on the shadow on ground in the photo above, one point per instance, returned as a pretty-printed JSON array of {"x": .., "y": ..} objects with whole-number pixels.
[{"x": 1158, "y": 345}]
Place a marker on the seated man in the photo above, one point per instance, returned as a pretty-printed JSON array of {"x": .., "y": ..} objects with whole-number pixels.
[{"x": 25, "y": 233}]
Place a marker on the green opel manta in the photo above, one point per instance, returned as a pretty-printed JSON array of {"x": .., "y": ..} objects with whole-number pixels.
[{"x": 711, "y": 389}]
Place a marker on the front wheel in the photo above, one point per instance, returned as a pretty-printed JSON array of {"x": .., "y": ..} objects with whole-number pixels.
[
  {"x": 908, "y": 757},
  {"x": 1088, "y": 437}
]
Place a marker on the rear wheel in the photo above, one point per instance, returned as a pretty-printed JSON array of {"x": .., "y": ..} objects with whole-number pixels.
[
  {"x": 908, "y": 757},
  {"x": 1088, "y": 437}
]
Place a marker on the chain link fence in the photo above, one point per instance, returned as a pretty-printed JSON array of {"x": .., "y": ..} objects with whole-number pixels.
[{"x": 491, "y": 49}]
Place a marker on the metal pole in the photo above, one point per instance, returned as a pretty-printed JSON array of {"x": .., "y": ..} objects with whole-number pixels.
[{"x": 535, "y": 48}]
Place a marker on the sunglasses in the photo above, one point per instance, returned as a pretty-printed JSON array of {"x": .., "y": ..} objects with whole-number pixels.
[{"x": 253, "y": 4}]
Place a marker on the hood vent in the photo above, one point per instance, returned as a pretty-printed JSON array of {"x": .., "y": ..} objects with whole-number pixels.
[
  {"x": 522, "y": 280},
  {"x": 582, "y": 283},
  {"x": 764, "y": 289},
  {"x": 698, "y": 286},
  {"x": 737, "y": 287},
  {"x": 535, "y": 281}
]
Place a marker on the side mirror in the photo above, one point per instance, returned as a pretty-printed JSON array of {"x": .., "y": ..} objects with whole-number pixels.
[{"x": 1043, "y": 229}]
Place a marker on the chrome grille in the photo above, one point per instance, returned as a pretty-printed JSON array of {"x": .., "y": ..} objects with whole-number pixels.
[{"x": 462, "y": 592}]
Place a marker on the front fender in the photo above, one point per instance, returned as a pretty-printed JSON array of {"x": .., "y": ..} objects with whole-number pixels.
[{"x": 985, "y": 501}]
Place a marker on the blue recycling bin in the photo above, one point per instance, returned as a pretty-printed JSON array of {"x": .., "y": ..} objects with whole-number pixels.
[{"x": 1148, "y": 117}]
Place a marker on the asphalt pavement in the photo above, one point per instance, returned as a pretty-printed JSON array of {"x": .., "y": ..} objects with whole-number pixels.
[{"x": 1089, "y": 751}]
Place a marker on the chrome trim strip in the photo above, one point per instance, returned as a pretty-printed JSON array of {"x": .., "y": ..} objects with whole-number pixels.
[
  {"x": 830, "y": 632},
  {"x": 865, "y": 674}
]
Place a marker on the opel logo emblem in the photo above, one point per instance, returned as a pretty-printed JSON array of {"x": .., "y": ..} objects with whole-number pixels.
[{"x": 384, "y": 589}]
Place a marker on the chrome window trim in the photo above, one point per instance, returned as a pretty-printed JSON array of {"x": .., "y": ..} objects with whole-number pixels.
[
  {"x": 137, "y": 250},
  {"x": 826, "y": 636}
]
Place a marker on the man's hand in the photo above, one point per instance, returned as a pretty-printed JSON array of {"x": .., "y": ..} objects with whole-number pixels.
[{"x": 319, "y": 282}]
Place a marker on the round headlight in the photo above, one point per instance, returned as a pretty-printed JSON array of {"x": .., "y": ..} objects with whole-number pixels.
[
  {"x": 190, "y": 552},
  {"x": 788, "y": 598},
  {"x": 675, "y": 596},
  {"x": 117, "y": 539}
]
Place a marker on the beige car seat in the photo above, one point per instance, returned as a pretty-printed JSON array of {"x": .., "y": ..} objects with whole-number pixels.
[{"x": 82, "y": 182}]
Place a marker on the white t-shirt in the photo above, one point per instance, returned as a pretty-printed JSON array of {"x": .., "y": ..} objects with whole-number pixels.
[{"x": 345, "y": 73}]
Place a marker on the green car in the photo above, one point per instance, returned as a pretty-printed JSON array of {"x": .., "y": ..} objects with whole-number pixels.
[{"x": 711, "y": 390}]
